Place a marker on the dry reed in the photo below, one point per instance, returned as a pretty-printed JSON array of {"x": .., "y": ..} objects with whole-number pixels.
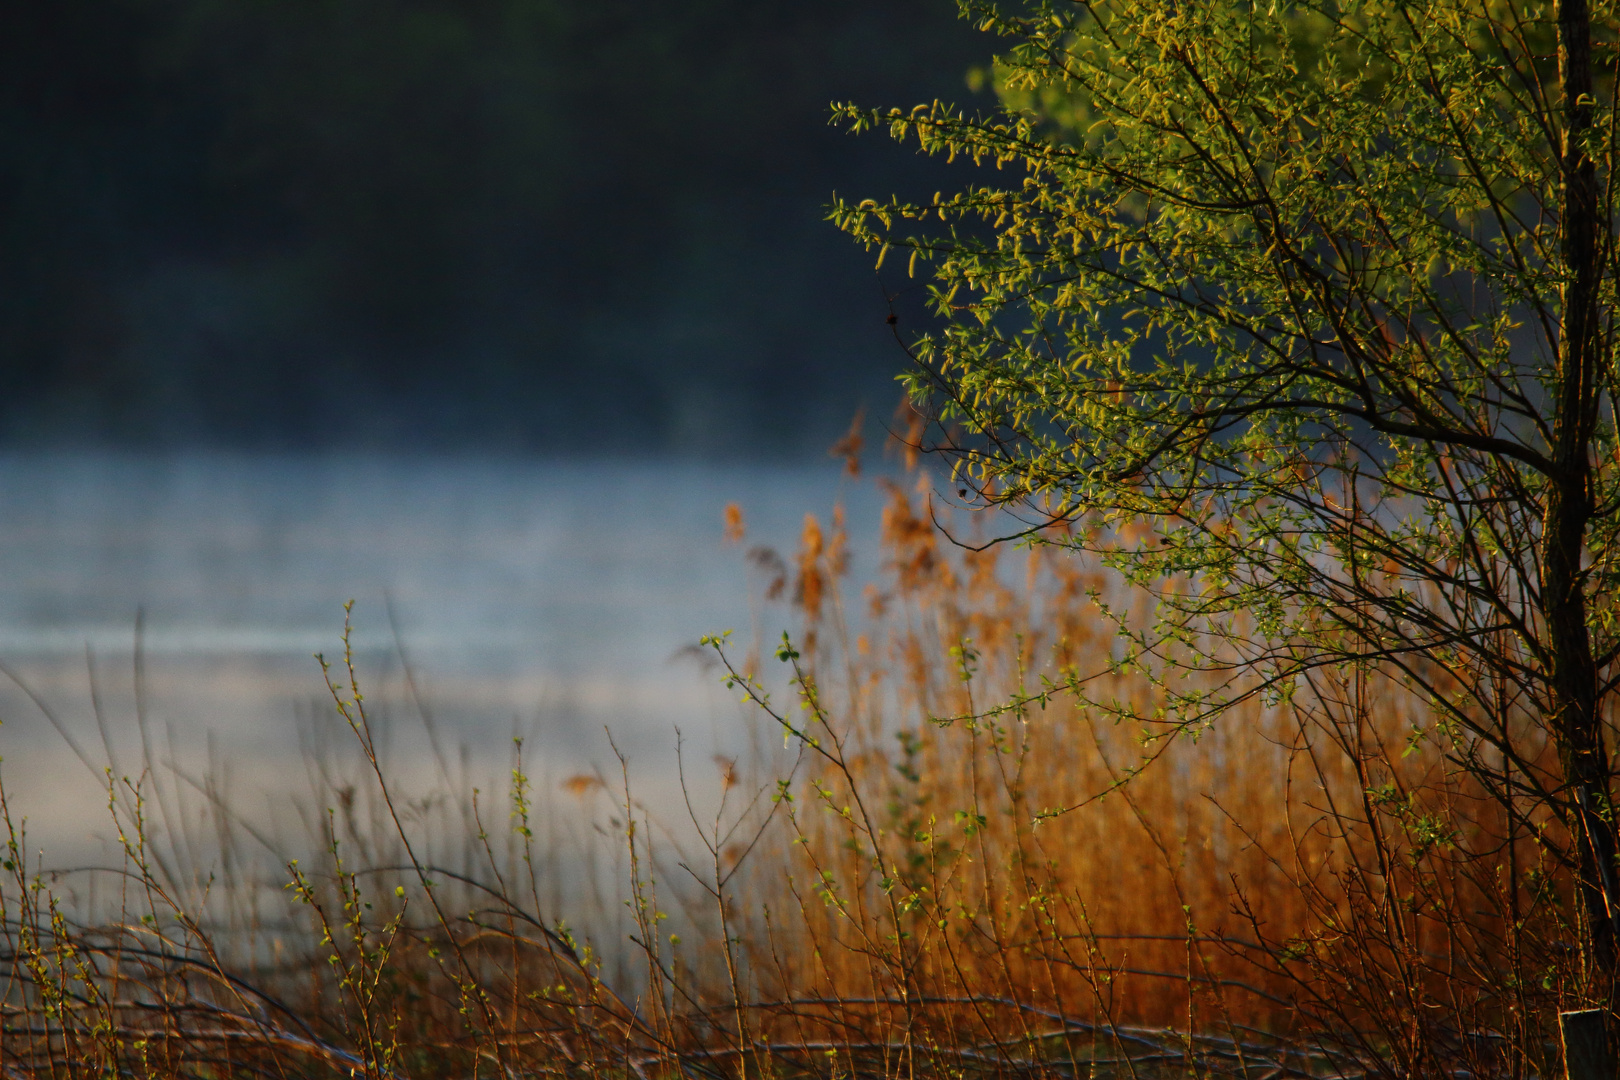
[{"x": 953, "y": 868}]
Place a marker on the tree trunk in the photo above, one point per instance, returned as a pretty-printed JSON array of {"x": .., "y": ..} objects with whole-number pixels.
[{"x": 1577, "y": 721}]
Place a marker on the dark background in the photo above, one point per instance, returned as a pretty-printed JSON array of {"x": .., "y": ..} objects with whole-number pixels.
[{"x": 588, "y": 226}]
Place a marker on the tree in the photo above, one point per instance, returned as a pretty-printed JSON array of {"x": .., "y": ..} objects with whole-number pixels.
[{"x": 1324, "y": 293}]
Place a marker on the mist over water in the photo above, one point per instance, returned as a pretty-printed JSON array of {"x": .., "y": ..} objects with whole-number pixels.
[
  {"x": 546, "y": 599},
  {"x": 301, "y": 304}
]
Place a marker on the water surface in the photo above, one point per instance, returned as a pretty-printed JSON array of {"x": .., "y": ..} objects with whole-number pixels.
[{"x": 548, "y": 599}]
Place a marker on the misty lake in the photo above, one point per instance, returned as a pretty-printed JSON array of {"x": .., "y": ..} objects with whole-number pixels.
[{"x": 551, "y": 600}]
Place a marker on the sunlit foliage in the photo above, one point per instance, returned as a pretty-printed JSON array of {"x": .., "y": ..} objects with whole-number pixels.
[{"x": 1322, "y": 293}]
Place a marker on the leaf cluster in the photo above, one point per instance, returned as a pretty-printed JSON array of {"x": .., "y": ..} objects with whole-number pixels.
[{"x": 1263, "y": 303}]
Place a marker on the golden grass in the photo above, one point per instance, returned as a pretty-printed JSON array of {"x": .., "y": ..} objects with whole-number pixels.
[{"x": 945, "y": 873}]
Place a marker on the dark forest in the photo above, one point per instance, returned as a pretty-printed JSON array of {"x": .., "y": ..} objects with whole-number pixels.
[{"x": 574, "y": 226}]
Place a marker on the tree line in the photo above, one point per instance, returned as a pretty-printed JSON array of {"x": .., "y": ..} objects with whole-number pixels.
[{"x": 514, "y": 223}]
